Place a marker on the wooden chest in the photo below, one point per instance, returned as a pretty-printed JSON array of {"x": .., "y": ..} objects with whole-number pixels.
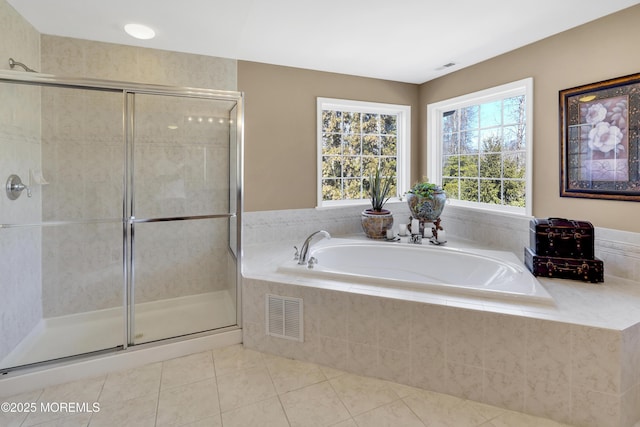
[
  {"x": 559, "y": 237},
  {"x": 588, "y": 270}
]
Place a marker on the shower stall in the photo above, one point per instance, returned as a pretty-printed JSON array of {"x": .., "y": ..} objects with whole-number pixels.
[{"x": 120, "y": 216}]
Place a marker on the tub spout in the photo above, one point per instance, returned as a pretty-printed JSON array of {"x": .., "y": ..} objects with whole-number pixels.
[{"x": 304, "y": 252}]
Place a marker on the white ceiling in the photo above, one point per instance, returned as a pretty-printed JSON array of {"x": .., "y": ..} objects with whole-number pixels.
[{"x": 402, "y": 40}]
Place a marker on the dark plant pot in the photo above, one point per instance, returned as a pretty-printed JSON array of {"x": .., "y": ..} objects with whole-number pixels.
[
  {"x": 375, "y": 224},
  {"x": 425, "y": 208}
]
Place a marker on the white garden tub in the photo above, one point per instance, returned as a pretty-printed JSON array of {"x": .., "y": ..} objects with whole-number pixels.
[{"x": 440, "y": 269}]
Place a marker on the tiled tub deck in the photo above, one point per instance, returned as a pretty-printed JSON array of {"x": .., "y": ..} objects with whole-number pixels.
[{"x": 577, "y": 362}]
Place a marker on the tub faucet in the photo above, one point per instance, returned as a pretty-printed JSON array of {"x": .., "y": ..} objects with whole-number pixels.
[{"x": 304, "y": 251}]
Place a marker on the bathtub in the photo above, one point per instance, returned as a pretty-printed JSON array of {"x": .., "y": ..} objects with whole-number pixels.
[{"x": 437, "y": 269}]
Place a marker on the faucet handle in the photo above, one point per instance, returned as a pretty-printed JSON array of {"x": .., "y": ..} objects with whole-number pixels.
[
  {"x": 296, "y": 256},
  {"x": 312, "y": 261}
]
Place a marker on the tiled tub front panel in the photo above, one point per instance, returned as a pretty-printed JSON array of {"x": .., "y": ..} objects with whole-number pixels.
[{"x": 574, "y": 374}]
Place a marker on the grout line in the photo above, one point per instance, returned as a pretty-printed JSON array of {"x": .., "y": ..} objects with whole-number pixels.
[
  {"x": 409, "y": 408},
  {"x": 215, "y": 376},
  {"x": 155, "y": 421},
  {"x": 266, "y": 365},
  {"x": 98, "y": 398},
  {"x": 341, "y": 402},
  {"x": 283, "y": 410}
]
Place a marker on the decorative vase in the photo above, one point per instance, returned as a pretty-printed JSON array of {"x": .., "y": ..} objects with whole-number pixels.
[
  {"x": 375, "y": 224},
  {"x": 425, "y": 208}
]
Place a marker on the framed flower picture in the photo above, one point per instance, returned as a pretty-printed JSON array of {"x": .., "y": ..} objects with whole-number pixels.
[{"x": 600, "y": 140}]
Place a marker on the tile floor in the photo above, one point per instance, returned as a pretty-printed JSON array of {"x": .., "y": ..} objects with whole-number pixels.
[{"x": 233, "y": 386}]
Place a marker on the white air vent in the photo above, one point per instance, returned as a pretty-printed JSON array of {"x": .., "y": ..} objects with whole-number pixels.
[{"x": 284, "y": 317}]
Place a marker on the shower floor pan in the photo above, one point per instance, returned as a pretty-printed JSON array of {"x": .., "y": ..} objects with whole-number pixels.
[{"x": 80, "y": 333}]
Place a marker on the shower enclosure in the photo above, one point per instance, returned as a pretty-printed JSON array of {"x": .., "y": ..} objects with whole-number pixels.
[{"x": 120, "y": 217}]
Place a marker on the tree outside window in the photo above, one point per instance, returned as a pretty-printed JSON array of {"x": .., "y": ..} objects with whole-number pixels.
[
  {"x": 481, "y": 147},
  {"x": 354, "y": 138}
]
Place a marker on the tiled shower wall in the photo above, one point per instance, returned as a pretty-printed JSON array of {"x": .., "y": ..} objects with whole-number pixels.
[
  {"x": 71, "y": 57},
  {"x": 20, "y": 254},
  {"x": 64, "y": 269},
  {"x": 82, "y": 152},
  {"x": 83, "y": 159}
]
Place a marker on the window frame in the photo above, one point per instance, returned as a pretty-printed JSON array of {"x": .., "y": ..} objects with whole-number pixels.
[
  {"x": 434, "y": 146},
  {"x": 403, "y": 144}
]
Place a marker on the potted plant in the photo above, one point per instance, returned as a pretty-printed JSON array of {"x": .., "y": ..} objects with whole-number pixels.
[
  {"x": 426, "y": 201},
  {"x": 376, "y": 220}
]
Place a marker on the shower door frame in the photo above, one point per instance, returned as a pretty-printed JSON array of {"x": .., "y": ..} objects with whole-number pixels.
[
  {"x": 128, "y": 89},
  {"x": 129, "y": 198}
]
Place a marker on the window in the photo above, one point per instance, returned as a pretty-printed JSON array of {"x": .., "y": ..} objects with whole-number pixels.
[
  {"x": 353, "y": 139},
  {"x": 480, "y": 147}
]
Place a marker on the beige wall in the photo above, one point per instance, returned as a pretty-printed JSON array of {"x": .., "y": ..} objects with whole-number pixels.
[
  {"x": 280, "y": 128},
  {"x": 280, "y": 114},
  {"x": 597, "y": 51}
]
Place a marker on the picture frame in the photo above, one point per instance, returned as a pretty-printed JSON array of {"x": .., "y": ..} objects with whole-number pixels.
[{"x": 600, "y": 140}]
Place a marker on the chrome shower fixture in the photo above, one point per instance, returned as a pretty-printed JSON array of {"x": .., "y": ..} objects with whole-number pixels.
[
  {"x": 13, "y": 63},
  {"x": 15, "y": 187}
]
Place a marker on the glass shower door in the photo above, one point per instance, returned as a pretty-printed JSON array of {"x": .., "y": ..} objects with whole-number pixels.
[
  {"x": 126, "y": 230},
  {"x": 184, "y": 276},
  {"x": 82, "y": 248},
  {"x": 61, "y": 240}
]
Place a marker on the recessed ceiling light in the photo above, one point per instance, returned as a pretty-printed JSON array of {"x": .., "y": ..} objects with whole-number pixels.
[{"x": 139, "y": 31}]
